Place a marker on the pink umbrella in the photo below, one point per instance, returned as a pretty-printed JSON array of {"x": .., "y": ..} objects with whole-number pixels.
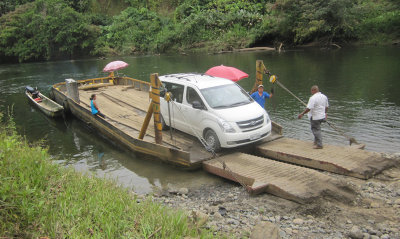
[
  {"x": 114, "y": 66},
  {"x": 227, "y": 72}
]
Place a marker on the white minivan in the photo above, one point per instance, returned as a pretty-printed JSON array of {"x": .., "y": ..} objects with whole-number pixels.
[{"x": 214, "y": 109}]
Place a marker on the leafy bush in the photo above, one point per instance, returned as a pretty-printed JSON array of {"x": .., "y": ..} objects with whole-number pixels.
[
  {"x": 134, "y": 30},
  {"x": 41, "y": 199},
  {"x": 38, "y": 31},
  {"x": 377, "y": 20},
  {"x": 211, "y": 25},
  {"x": 9, "y": 5},
  {"x": 308, "y": 20}
]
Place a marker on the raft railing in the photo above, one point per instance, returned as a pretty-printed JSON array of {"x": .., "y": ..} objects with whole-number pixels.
[{"x": 107, "y": 81}]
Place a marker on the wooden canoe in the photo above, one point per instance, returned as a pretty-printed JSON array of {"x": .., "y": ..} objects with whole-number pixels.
[{"x": 46, "y": 105}]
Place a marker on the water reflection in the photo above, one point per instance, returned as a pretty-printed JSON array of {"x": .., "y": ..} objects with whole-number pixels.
[
  {"x": 361, "y": 84},
  {"x": 89, "y": 152}
]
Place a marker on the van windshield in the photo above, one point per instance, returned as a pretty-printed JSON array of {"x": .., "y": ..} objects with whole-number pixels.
[{"x": 226, "y": 96}]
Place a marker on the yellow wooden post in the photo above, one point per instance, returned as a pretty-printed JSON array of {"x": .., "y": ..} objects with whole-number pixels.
[
  {"x": 155, "y": 96},
  {"x": 154, "y": 108},
  {"x": 260, "y": 69},
  {"x": 112, "y": 77}
]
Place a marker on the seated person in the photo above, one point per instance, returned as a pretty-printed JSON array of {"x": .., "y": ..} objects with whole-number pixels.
[{"x": 93, "y": 106}]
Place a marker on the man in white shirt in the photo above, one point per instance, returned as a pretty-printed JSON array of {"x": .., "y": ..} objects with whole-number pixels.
[{"x": 317, "y": 109}]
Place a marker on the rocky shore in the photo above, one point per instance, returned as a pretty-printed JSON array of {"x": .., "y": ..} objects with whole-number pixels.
[{"x": 373, "y": 213}]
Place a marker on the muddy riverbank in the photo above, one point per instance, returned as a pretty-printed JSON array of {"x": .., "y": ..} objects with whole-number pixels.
[{"x": 373, "y": 212}]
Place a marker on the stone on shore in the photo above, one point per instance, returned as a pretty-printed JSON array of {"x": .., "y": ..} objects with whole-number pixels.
[
  {"x": 265, "y": 230},
  {"x": 356, "y": 233}
]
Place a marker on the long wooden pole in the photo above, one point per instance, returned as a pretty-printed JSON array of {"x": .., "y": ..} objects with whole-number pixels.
[
  {"x": 154, "y": 108},
  {"x": 146, "y": 121},
  {"x": 260, "y": 69}
]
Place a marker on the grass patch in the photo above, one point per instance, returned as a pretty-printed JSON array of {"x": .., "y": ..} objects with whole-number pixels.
[{"x": 41, "y": 199}]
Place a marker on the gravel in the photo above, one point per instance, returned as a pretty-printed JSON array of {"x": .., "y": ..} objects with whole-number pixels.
[{"x": 229, "y": 209}]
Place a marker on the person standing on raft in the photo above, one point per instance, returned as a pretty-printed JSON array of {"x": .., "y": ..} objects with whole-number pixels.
[
  {"x": 317, "y": 109},
  {"x": 260, "y": 95}
]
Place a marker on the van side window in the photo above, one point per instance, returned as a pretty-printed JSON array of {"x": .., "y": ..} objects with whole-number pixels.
[
  {"x": 192, "y": 95},
  {"x": 176, "y": 91}
]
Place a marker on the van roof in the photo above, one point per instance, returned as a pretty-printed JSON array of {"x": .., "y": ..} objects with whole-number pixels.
[{"x": 202, "y": 81}]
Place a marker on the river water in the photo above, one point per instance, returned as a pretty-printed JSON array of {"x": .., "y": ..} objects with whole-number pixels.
[{"x": 362, "y": 84}]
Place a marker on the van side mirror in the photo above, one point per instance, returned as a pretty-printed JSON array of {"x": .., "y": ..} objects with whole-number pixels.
[
  {"x": 197, "y": 105},
  {"x": 162, "y": 92}
]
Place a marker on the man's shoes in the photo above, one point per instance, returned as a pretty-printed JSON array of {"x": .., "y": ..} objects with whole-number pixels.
[{"x": 317, "y": 147}]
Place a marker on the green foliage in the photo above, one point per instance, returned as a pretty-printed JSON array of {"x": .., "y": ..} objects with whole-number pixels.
[
  {"x": 17, "y": 37},
  {"x": 39, "y": 198},
  {"x": 105, "y": 7},
  {"x": 211, "y": 24},
  {"x": 325, "y": 21},
  {"x": 309, "y": 20},
  {"x": 228, "y": 6},
  {"x": 189, "y": 7},
  {"x": 377, "y": 21},
  {"x": 134, "y": 30},
  {"x": 79, "y": 5},
  {"x": 38, "y": 30},
  {"x": 9, "y": 5}
]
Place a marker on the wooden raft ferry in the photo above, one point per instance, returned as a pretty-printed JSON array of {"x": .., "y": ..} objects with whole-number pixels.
[{"x": 126, "y": 102}]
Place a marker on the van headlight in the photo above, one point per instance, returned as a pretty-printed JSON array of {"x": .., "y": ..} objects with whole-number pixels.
[
  {"x": 225, "y": 126},
  {"x": 267, "y": 119}
]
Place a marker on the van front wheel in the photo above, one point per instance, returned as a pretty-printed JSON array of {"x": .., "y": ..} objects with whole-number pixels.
[{"x": 212, "y": 141}]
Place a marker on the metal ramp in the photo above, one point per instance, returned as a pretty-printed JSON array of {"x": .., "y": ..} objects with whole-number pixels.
[
  {"x": 288, "y": 181},
  {"x": 344, "y": 160}
]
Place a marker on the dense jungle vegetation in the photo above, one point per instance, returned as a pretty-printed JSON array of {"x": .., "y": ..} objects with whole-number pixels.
[{"x": 36, "y": 30}]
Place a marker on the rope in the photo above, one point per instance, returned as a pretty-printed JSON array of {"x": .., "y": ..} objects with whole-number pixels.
[
  {"x": 211, "y": 150},
  {"x": 290, "y": 92},
  {"x": 169, "y": 116},
  {"x": 351, "y": 139},
  {"x": 172, "y": 121}
]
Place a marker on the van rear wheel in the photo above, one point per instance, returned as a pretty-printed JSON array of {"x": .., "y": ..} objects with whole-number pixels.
[{"x": 212, "y": 141}]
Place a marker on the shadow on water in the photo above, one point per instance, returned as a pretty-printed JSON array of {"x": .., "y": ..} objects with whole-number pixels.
[
  {"x": 361, "y": 83},
  {"x": 92, "y": 152}
]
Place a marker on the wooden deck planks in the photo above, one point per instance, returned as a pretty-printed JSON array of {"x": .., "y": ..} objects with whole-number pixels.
[
  {"x": 126, "y": 107},
  {"x": 337, "y": 159},
  {"x": 283, "y": 180}
]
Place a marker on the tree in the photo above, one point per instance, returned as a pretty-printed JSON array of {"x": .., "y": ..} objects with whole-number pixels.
[
  {"x": 44, "y": 30},
  {"x": 309, "y": 20}
]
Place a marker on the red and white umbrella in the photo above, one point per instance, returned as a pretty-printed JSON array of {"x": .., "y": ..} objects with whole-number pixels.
[
  {"x": 227, "y": 72},
  {"x": 114, "y": 66}
]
